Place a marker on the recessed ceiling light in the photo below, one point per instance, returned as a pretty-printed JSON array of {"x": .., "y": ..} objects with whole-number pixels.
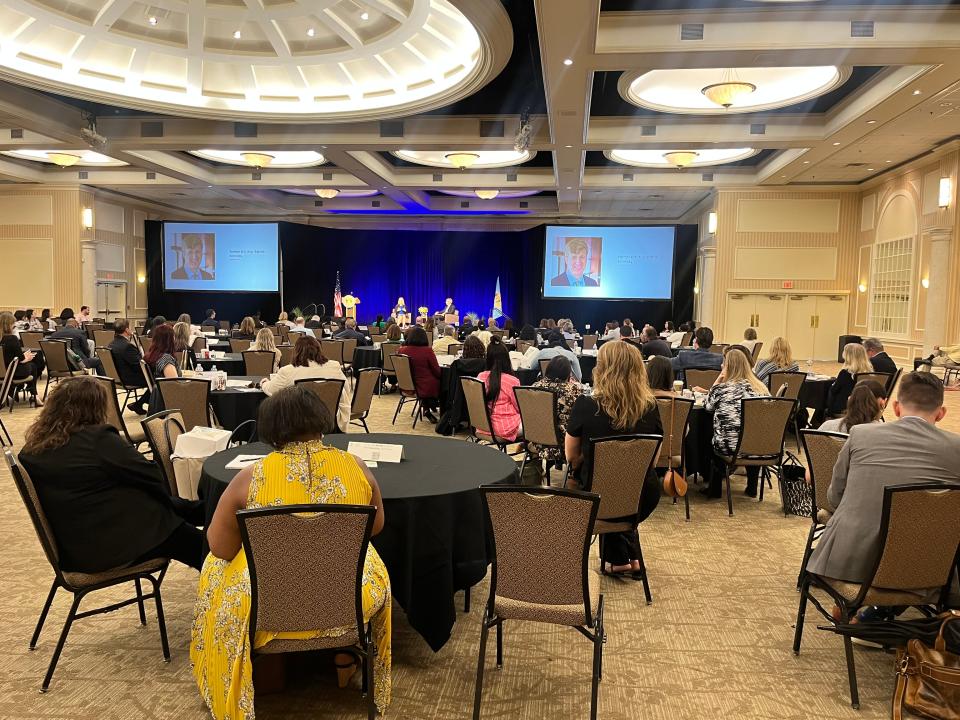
[
  {"x": 569, "y": 188},
  {"x": 568, "y": 61},
  {"x": 917, "y": 92},
  {"x": 568, "y": 146},
  {"x": 311, "y": 32},
  {"x": 364, "y": 15},
  {"x": 871, "y": 122},
  {"x": 888, "y": 161},
  {"x": 835, "y": 144},
  {"x": 152, "y": 20},
  {"x": 806, "y": 162},
  {"x": 869, "y": 169},
  {"x": 236, "y": 34}
]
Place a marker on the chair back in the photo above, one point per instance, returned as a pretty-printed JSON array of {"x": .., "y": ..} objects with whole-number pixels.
[
  {"x": 199, "y": 344},
  {"x": 258, "y": 362},
  {"x": 700, "y": 377},
  {"x": 589, "y": 342},
  {"x": 454, "y": 348},
  {"x": 92, "y": 327},
  {"x": 114, "y": 414},
  {"x": 793, "y": 380},
  {"x": 145, "y": 342},
  {"x": 822, "y": 449},
  {"x": 880, "y": 377},
  {"x": 306, "y": 566},
  {"x": 478, "y": 413},
  {"x": 378, "y": 337},
  {"x": 8, "y": 374},
  {"x": 920, "y": 537},
  {"x": 243, "y": 433},
  {"x": 286, "y": 353},
  {"x": 28, "y": 493},
  {"x": 332, "y": 350},
  {"x": 162, "y": 430},
  {"x": 191, "y": 396},
  {"x": 181, "y": 357},
  {"x": 571, "y": 343},
  {"x": 717, "y": 348},
  {"x": 55, "y": 355},
  {"x": 329, "y": 392},
  {"x": 543, "y": 362},
  {"x": 30, "y": 339},
  {"x": 349, "y": 346},
  {"x": 675, "y": 418},
  {"x": 387, "y": 351},
  {"x": 541, "y": 544},
  {"x": 102, "y": 338},
  {"x": 147, "y": 375},
  {"x": 893, "y": 382},
  {"x": 109, "y": 366},
  {"x": 755, "y": 354},
  {"x": 763, "y": 427},
  {"x": 405, "y": 381},
  {"x": 686, "y": 339},
  {"x": 238, "y": 346},
  {"x": 540, "y": 416},
  {"x": 284, "y": 331},
  {"x": 224, "y": 324},
  {"x": 363, "y": 392},
  {"x": 620, "y": 466}
]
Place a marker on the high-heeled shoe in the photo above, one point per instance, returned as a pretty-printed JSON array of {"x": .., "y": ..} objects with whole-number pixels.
[{"x": 346, "y": 670}]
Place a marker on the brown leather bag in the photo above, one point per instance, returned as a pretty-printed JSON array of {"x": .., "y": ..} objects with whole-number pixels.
[
  {"x": 674, "y": 484},
  {"x": 928, "y": 679}
]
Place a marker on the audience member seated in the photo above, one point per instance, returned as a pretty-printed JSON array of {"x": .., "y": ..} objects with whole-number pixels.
[
  {"x": 157, "y": 322},
  {"x": 85, "y": 316},
  {"x": 499, "y": 381},
  {"x": 628, "y": 323},
  {"x": 877, "y": 455},
  {"x": 284, "y": 319},
  {"x": 107, "y": 505},
  {"x": 471, "y": 363},
  {"x": 675, "y": 338},
  {"x": 569, "y": 332},
  {"x": 246, "y": 331},
  {"x": 31, "y": 363},
  {"x": 301, "y": 470},
  {"x": 47, "y": 322},
  {"x": 528, "y": 334},
  {"x": 425, "y": 369},
  {"x": 736, "y": 382},
  {"x": 560, "y": 381},
  {"x": 183, "y": 342},
  {"x": 79, "y": 344},
  {"x": 484, "y": 334},
  {"x": 700, "y": 356},
  {"x": 611, "y": 332},
  {"x": 126, "y": 358},
  {"x": 626, "y": 333},
  {"x": 621, "y": 404},
  {"x": 300, "y": 326},
  {"x": 557, "y": 345},
  {"x": 210, "y": 321},
  {"x": 653, "y": 344},
  {"x": 865, "y": 405},
  {"x": 854, "y": 361},
  {"x": 667, "y": 331},
  {"x": 879, "y": 359},
  {"x": 740, "y": 349},
  {"x": 264, "y": 342},
  {"x": 749, "y": 340},
  {"x": 779, "y": 359},
  {"x": 448, "y": 338},
  {"x": 660, "y": 376},
  {"x": 466, "y": 329},
  {"x": 350, "y": 332},
  {"x": 314, "y": 323},
  {"x": 309, "y": 363},
  {"x": 185, "y": 318},
  {"x": 34, "y": 323},
  {"x": 162, "y": 362},
  {"x": 393, "y": 333}
]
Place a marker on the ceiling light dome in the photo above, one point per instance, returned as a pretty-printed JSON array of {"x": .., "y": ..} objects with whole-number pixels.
[
  {"x": 481, "y": 158},
  {"x": 257, "y": 159},
  {"x": 487, "y": 194},
  {"x": 680, "y": 158},
  {"x": 706, "y": 91},
  {"x": 502, "y": 194},
  {"x": 63, "y": 159},
  {"x": 355, "y": 193},
  {"x": 327, "y": 193},
  {"x": 216, "y": 60},
  {"x": 66, "y": 158},
  {"x": 462, "y": 160},
  {"x": 263, "y": 158}
]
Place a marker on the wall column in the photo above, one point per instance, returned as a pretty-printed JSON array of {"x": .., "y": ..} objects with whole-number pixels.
[
  {"x": 88, "y": 259},
  {"x": 935, "y": 320},
  {"x": 708, "y": 273}
]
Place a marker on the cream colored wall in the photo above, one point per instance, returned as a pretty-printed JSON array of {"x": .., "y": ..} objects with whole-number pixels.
[{"x": 51, "y": 214}]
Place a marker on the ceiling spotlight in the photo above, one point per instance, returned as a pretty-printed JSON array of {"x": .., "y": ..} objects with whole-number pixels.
[
  {"x": 888, "y": 161},
  {"x": 835, "y": 144},
  {"x": 680, "y": 158},
  {"x": 568, "y": 61},
  {"x": 917, "y": 92},
  {"x": 364, "y": 15},
  {"x": 569, "y": 187},
  {"x": 568, "y": 146},
  {"x": 869, "y": 169},
  {"x": 236, "y": 34},
  {"x": 806, "y": 162},
  {"x": 327, "y": 193},
  {"x": 311, "y": 32},
  {"x": 257, "y": 160},
  {"x": 730, "y": 89},
  {"x": 871, "y": 122},
  {"x": 63, "y": 159},
  {"x": 487, "y": 194},
  {"x": 461, "y": 160},
  {"x": 152, "y": 20}
]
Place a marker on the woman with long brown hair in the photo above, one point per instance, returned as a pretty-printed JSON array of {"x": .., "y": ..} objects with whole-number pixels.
[
  {"x": 31, "y": 363},
  {"x": 866, "y": 404},
  {"x": 107, "y": 505},
  {"x": 622, "y": 404}
]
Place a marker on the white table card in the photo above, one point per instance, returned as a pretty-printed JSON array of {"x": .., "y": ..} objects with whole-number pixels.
[{"x": 376, "y": 452}]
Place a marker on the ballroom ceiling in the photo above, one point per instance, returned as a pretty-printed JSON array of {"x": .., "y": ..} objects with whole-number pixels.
[{"x": 354, "y": 112}]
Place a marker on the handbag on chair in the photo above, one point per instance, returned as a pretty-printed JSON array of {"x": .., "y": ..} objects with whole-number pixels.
[
  {"x": 928, "y": 679},
  {"x": 674, "y": 484}
]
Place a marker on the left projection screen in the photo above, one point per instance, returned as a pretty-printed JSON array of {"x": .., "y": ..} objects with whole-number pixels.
[{"x": 221, "y": 257}]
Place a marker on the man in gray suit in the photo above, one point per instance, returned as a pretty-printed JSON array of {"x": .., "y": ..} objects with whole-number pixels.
[{"x": 877, "y": 455}]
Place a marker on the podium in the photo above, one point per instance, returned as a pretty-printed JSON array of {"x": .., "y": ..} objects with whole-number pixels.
[{"x": 452, "y": 318}]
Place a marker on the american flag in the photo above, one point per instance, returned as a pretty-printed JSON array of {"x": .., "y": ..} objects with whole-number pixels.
[{"x": 337, "y": 298}]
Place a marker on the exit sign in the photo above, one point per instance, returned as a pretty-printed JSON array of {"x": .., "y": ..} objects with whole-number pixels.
[{"x": 787, "y": 285}]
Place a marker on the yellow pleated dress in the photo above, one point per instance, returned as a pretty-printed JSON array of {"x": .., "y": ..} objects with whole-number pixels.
[{"x": 304, "y": 472}]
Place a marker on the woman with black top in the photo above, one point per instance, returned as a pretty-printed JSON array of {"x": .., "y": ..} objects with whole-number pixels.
[
  {"x": 621, "y": 404},
  {"x": 162, "y": 361},
  {"x": 855, "y": 361},
  {"x": 31, "y": 363},
  {"x": 471, "y": 363},
  {"x": 106, "y": 504},
  {"x": 246, "y": 331}
]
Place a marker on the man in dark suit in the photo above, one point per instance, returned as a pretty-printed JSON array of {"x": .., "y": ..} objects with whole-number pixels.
[
  {"x": 126, "y": 357},
  {"x": 878, "y": 357},
  {"x": 78, "y": 343},
  {"x": 193, "y": 246},
  {"x": 211, "y": 321},
  {"x": 698, "y": 357},
  {"x": 653, "y": 344},
  {"x": 575, "y": 257},
  {"x": 350, "y": 332}
]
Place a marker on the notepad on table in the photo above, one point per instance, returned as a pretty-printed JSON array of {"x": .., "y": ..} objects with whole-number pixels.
[
  {"x": 376, "y": 452},
  {"x": 242, "y": 461}
]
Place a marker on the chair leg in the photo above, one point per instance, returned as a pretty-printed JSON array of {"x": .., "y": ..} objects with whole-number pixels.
[
  {"x": 143, "y": 615},
  {"x": 46, "y": 388},
  {"x": 363, "y": 422},
  {"x": 686, "y": 505},
  {"x": 807, "y": 551},
  {"x": 762, "y": 480},
  {"x": 371, "y": 651},
  {"x": 851, "y": 668},
  {"x": 399, "y": 405},
  {"x": 161, "y": 623},
  {"x": 43, "y": 615},
  {"x": 643, "y": 570},
  {"x": 499, "y": 644},
  {"x": 417, "y": 411},
  {"x": 597, "y": 662},
  {"x": 801, "y": 612},
  {"x": 478, "y": 691},
  {"x": 726, "y": 478},
  {"x": 466, "y": 600},
  {"x": 60, "y": 643},
  {"x": 8, "y": 441}
]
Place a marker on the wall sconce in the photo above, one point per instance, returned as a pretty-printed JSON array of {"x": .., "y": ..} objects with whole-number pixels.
[
  {"x": 86, "y": 218},
  {"x": 141, "y": 278},
  {"x": 862, "y": 287},
  {"x": 696, "y": 290},
  {"x": 712, "y": 223},
  {"x": 946, "y": 190},
  {"x": 925, "y": 282}
]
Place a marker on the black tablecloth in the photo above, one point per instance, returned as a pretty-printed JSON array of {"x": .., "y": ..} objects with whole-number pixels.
[
  {"x": 234, "y": 406},
  {"x": 813, "y": 395},
  {"x": 587, "y": 364},
  {"x": 433, "y": 541},
  {"x": 231, "y": 364},
  {"x": 365, "y": 357}
]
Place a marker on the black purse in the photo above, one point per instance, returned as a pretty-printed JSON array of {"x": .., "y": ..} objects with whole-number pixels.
[{"x": 795, "y": 493}]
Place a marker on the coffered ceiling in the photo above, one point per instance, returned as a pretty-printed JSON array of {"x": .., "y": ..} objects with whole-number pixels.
[{"x": 406, "y": 108}]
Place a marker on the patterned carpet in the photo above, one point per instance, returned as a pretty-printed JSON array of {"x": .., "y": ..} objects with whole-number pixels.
[{"x": 715, "y": 643}]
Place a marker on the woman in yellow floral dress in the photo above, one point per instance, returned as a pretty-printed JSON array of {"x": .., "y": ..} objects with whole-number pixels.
[{"x": 302, "y": 470}]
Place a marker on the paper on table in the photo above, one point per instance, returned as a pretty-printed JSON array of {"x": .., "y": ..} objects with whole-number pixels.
[
  {"x": 241, "y": 461},
  {"x": 377, "y": 452},
  {"x": 237, "y": 383}
]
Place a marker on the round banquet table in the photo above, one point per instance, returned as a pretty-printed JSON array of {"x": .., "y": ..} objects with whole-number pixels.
[
  {"x": 587, "y": 365},
  {"x": 434, "y": 540},
  {"x": 233, "y": 406}
]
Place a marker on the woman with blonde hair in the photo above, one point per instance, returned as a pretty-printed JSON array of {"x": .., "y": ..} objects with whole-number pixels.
[
  {"x": 247, "y": 330},
  {"x": 183, "y": 342},
  {"x": 855, "y": 361},
  {"x": 735, "y": 383},
  {"x": 779, "y": 359},
  {"x": 266, "y": 343},
  {"x": 622, "y": 404}
]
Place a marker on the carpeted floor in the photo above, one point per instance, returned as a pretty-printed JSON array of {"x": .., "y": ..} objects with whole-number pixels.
[{"x": 715, "y": 643}]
